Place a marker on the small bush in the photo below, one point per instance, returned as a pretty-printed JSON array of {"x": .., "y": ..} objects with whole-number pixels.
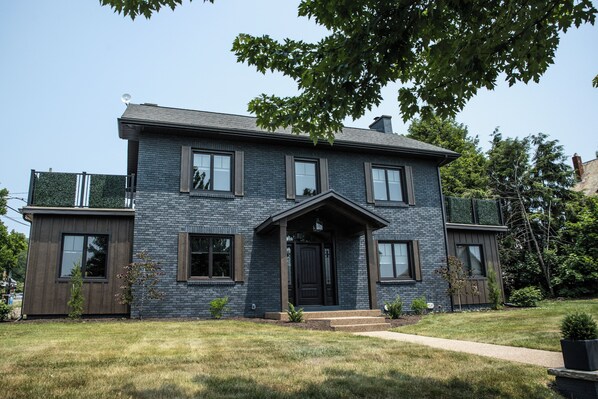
[
  {"x": 494, "y": 290},
  {"x": 579, "y": 326},
  {"x": 295, "y": 315},
  {"x": 218, "y": 307},
  {"x": 419, "y": 305},
  {"x": 526, "y": 297},
  {"x": 394, "y": 308},
  {"x": 75, "y": 304},
  {"x": 5, "y": 311}
]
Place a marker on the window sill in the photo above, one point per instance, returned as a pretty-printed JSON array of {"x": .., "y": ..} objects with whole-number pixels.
[
  {"x": 393, "y": 204},
  {"x": 397, "y": 282},
  {"x": 210, "y": 282},
  {"x": 212, "y": 194},
  {"x": 88, "y": 280}
]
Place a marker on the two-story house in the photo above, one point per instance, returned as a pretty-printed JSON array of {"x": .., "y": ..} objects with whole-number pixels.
[{"x": 264, "y": 218}]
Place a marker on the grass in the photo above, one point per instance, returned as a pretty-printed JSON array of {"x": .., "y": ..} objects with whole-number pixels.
[
  {"x": 235, "y": 359},
  {"x": 535, "y": 328}
]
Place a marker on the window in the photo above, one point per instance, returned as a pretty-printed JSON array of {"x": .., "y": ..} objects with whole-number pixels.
[
  {"x": 395, "y": 261},
  {"x": 473, "y": 261},
  {"x": 306, "y": 182},
  {"x": 305, "y": 177},
  {"x": 211, "y": 257},
  {"x": 212, "y": 171},
  {"x": 89, "y": 251},
  {"x": 389, "y": 185}
]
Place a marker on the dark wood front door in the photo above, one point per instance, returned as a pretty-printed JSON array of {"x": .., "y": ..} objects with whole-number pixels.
[{"x": 310, "y": 285}]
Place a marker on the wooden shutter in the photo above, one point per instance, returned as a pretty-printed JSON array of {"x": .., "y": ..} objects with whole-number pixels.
[
  {"x": 377, "y": 259},
  {"x": 238, "y": 262},
  {"x": 369, "y": 189},
  {"x": 186, "y": 155},
  {"x": 324, "y": 185},
  {"x": 417, "y": 268},
  {"x": 183, "y": 257},
  {"x": 409, "y": 185},
  {"x": 239, "y": 173},
  {"x": 290, "y": 176}
]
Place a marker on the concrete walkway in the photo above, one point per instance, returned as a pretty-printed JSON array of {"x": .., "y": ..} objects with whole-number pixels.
[{"x": 521, "y": 355}]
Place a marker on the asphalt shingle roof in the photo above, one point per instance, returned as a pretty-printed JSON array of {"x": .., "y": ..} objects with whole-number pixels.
[{"x": 152, "y": 114}]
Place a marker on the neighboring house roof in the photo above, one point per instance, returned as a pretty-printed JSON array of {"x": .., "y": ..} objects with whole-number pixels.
[
  {"x": 342, "y": 209},
  {"x": 137, "y": 116},
  {"x": 589, "y": 178}
]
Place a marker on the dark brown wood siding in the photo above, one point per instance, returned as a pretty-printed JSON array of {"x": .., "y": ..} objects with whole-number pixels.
[
  {"x": 489, "y": 245},
  {"x": 44, "y": 293}
]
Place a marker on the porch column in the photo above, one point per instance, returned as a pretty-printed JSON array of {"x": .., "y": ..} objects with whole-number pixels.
[
  {"x": 284, "y": 267},
  {"x": 372, "y": 266}
]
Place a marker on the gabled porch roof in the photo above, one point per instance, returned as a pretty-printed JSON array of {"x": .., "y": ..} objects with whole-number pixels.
[{"x": 334, "y": 205}]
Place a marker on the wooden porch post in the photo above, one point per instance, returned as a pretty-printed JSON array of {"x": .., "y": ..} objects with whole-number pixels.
[
  {"x": 372, "y": 266},
  {"x": 284, "y": 267}
]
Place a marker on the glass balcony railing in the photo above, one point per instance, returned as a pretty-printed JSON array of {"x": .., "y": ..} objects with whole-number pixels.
[
  {"x": 473, "y": 211},
  {"x": 81, "y": 190}
]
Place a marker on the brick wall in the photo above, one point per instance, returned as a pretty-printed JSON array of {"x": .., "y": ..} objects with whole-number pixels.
[{"x": 162, "y": 212}]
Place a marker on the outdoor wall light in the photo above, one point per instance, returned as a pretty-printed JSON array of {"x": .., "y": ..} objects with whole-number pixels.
[
  {"x": 318, "y": 225},
  {"x": 430, "y": 305}
]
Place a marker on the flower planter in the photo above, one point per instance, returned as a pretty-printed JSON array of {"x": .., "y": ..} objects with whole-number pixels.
[{"x": 580, "y": 355}]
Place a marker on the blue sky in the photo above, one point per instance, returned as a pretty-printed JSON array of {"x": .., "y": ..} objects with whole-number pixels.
[{"x": 65, "y": 65}]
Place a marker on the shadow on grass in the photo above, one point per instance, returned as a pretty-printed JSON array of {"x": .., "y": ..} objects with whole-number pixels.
[{"x": 341, "y": 384}]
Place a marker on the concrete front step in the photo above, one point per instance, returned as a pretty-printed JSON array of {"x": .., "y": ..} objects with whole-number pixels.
[
  {"x": 362, "y": 327},
  {"x": 351, "y": 320},
  {"x": 324, "y": 314}
]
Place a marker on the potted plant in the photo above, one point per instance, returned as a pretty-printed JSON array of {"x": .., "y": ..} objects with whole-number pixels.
[{"x": 580, "y": 342}]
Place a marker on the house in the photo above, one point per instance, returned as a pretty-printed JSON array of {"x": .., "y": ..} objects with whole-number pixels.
[
  {"x": 264, "y": 218},
  {"x": 586, "y": 174}
]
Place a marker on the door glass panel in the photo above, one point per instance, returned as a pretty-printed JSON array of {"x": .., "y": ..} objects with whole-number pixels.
[
  {"x": 327, "y": 266},
  {"x": 290, "y": 265}
]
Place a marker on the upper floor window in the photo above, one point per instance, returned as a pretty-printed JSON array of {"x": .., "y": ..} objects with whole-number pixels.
[
  {"x": 212, "y": 171},
  {"x": 388, "y": 184},
  {"x": 472, "y": 258},
  {"x": 395, "y": 261},
  {"x": 305, "y": 177},
  {"x": 86, "y": 251},
  {"x": 306, "y": 181}
]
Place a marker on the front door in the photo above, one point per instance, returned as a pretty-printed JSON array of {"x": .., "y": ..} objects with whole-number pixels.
[{"x": 310, "y": 287}]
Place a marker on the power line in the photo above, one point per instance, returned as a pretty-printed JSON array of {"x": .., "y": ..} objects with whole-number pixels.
[
  {"x": 15, "y": 220},
  {"x": 16, "y": 210}
]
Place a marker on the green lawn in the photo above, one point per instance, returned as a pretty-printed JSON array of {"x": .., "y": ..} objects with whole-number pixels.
[
  {"x": 536, "y": 328},
  {"x": 234, "y": 359}
]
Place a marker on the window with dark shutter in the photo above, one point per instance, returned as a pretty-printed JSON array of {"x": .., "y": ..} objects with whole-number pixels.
[
  {"x": 398, "y": 260},
  {"x": 207, "y": 257},
  {"x": 389, "y": 185},
  {"x": 305, "y": 177}
]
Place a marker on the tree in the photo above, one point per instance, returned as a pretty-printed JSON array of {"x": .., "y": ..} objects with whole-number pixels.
[
  {"x": 442, "y": 52},
  {"x": 11, "y": 244},
  {"x": 465, "y": 177},
  {"x": 140, "y": 280}
]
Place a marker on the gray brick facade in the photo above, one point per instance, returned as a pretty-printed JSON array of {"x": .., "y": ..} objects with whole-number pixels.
[{"x": 162, "y": 212}]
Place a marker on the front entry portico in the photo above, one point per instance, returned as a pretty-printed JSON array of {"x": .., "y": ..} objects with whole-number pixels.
[{"x": 306, "y": 235}]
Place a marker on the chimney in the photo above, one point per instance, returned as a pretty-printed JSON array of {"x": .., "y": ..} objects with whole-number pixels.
[
  {"x": 382, "y": 124},
  {"x": 578, "y": 166}
]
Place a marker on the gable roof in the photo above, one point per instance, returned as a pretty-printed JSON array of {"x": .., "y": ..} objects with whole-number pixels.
[
  {"x": 136, "y": 117},
  {"x": 332, "y": 202}
]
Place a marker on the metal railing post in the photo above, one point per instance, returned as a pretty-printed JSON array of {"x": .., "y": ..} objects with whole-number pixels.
[{"x": 82, "y": 190}]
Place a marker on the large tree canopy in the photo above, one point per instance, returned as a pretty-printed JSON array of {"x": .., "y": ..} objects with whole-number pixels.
[{"x": 441, "y": 52}]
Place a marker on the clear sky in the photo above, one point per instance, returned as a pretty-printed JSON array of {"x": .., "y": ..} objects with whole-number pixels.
[{"x": 65, "y": 64}]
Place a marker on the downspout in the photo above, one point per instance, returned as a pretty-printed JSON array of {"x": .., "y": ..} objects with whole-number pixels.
[{"x": 442, "y": 162}]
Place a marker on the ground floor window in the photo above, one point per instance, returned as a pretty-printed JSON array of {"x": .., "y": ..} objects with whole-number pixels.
[
  {"x": 472, "y": 258},
  {"x": 88, "y": 251},
  {"x": 395, "y": 260},
  {"x": 211, "y": 256}
]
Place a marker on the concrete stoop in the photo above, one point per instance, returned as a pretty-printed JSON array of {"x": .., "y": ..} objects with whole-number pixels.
[{"x": 342, "y": 320}]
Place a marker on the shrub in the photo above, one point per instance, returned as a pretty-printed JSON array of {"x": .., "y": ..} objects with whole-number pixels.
[
  {"x": 527, "y": 297},
  {"x": 579, "y": 326},
  {"x": 75, "y": 304},
  {"x": 5, "y": 311},
  {"x": 144, "y": 276},
  {"x": 218, "y": 307},
  {"x": 394, "y": 308},
  {"x": 494, "y": 290},
  {"x": 419, "y": 305},
  {"x": 295, "y": 315}
]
